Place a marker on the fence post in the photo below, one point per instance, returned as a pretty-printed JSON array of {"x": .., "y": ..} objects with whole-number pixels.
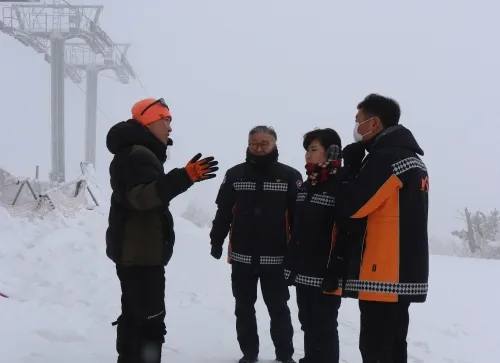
[{"x": 18, "y": 192}]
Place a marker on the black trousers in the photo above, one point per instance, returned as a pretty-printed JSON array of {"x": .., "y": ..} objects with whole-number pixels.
[
  {"x": 140, "y": 327},
  {"x": 384, "y": 327},
  {"x": 318, "y": 315},
  {"x": 244, "y": 279}
]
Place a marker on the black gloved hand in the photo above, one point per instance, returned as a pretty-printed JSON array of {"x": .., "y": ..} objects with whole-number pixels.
[
  {"x": 330, "y": 283},
  {"x": 290, "y": 277},
  {"x": 335, "y": 272},
  {"x": 216, "y": 252},
  {"x": 290, "y": 265},
  {"x": 353, "y": 155}
]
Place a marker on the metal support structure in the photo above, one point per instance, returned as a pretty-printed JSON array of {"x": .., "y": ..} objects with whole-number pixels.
[
  {"x": 23, "y": 183},
  {"x": 46, "y": 28},
  {"x": 57, "y": 63},
  {"x": 91, "y": 115},
  {"x": 82, "y": 58}
]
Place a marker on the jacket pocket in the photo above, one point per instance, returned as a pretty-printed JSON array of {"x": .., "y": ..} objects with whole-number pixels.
[{"x": 143, "y": 240}]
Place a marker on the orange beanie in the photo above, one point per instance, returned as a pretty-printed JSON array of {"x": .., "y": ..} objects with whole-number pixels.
[{"x": 154, "y": 113}]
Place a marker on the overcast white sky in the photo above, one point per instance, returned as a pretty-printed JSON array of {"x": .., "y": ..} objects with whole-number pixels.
[{"x": 224, "y": 66}]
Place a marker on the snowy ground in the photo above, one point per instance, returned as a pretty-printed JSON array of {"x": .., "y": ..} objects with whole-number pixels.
[{"x": 64, "y": 296}]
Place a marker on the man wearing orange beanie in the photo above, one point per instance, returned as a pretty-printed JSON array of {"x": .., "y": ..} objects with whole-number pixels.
[{"x": 140, "y": 236}]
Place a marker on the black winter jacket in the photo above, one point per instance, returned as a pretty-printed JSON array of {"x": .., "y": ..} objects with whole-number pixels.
[
  {"x": 141, "y": 227},
  {"x": 256, "y": 204},
  {"x": 313, "y": 234},
  {"x": 387, "y": 204}
]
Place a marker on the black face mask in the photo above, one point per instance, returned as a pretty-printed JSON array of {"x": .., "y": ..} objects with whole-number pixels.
[{"x": 262, "y": 160}]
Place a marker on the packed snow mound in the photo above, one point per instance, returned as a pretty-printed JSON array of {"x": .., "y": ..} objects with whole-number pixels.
[
  {"x": 5, "y": 176},
  {"x": 63, "y": 296}
]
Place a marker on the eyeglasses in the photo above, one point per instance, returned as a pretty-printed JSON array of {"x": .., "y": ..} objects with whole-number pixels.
[
  {"x": 161, "y": 101},
  {"x": 264, "y": 145}
]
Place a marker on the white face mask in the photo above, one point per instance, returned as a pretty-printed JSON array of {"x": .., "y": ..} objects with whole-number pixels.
[{"x": 356, "y": 135}]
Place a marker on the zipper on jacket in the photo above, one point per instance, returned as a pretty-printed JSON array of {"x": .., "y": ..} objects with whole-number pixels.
[{"x": 363, "y": 248}]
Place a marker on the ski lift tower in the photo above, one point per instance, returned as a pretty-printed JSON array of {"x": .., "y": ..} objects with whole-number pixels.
[
  {"x": 46, "y": 28},
  {"x": 80, "y": 57}
]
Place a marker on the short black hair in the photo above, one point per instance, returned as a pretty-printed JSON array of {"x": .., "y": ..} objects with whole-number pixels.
[
  {"x": 385, "y": 108},
  {"x": 266, "y": 129},
  {"x": 326, "y": 137}
]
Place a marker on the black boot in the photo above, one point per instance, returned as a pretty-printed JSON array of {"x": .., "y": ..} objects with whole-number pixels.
[
  {"x": 285, "y": 360},
  {"x": 150, "y": 352},
  {"x": 246, "y": 359},
  {"x": 133, "y": 347},
  {"x": 127, "y": 342}
]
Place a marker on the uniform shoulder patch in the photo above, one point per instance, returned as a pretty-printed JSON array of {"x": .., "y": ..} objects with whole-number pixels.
[{"x": 299, "y": 183}]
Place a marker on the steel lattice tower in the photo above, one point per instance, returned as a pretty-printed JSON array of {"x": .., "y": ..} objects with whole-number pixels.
[
  {"x": 47, "y": 28},
  {"x": 80, "y": 57}
]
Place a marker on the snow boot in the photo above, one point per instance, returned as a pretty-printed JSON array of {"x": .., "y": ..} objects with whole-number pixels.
[
  {"x": 248, "y": 360},
  {"x": 150, "y": 352}
]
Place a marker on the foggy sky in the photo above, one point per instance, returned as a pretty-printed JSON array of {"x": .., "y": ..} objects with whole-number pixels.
[{"x": 227, "y": 65}]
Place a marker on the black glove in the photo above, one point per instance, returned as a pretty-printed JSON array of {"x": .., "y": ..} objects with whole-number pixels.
[
  {"x": 330, "y": 283},
  {"x": 353, "y": 155},
  {"x": 290, "y": 265},
  {"x": 335, "y": 272},
  {"x": 216, "y": 252},
  {"x": 290, "y": 277}
]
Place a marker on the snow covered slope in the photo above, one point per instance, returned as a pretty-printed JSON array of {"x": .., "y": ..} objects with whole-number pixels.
[{"x": 64, "y": 296}]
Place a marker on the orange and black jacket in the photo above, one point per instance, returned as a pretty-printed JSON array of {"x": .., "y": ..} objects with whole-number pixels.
[
  {"x": 312, "y": 235},
  {"x": 255, "y": 206},
  {"x": 387, "y": 207}
]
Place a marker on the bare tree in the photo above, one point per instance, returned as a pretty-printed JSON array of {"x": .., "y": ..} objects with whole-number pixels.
[{"x": 481, "y": 232}]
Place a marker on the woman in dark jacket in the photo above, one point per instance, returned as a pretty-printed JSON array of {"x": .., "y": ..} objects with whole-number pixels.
[{"x": 311, "y": 249}]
